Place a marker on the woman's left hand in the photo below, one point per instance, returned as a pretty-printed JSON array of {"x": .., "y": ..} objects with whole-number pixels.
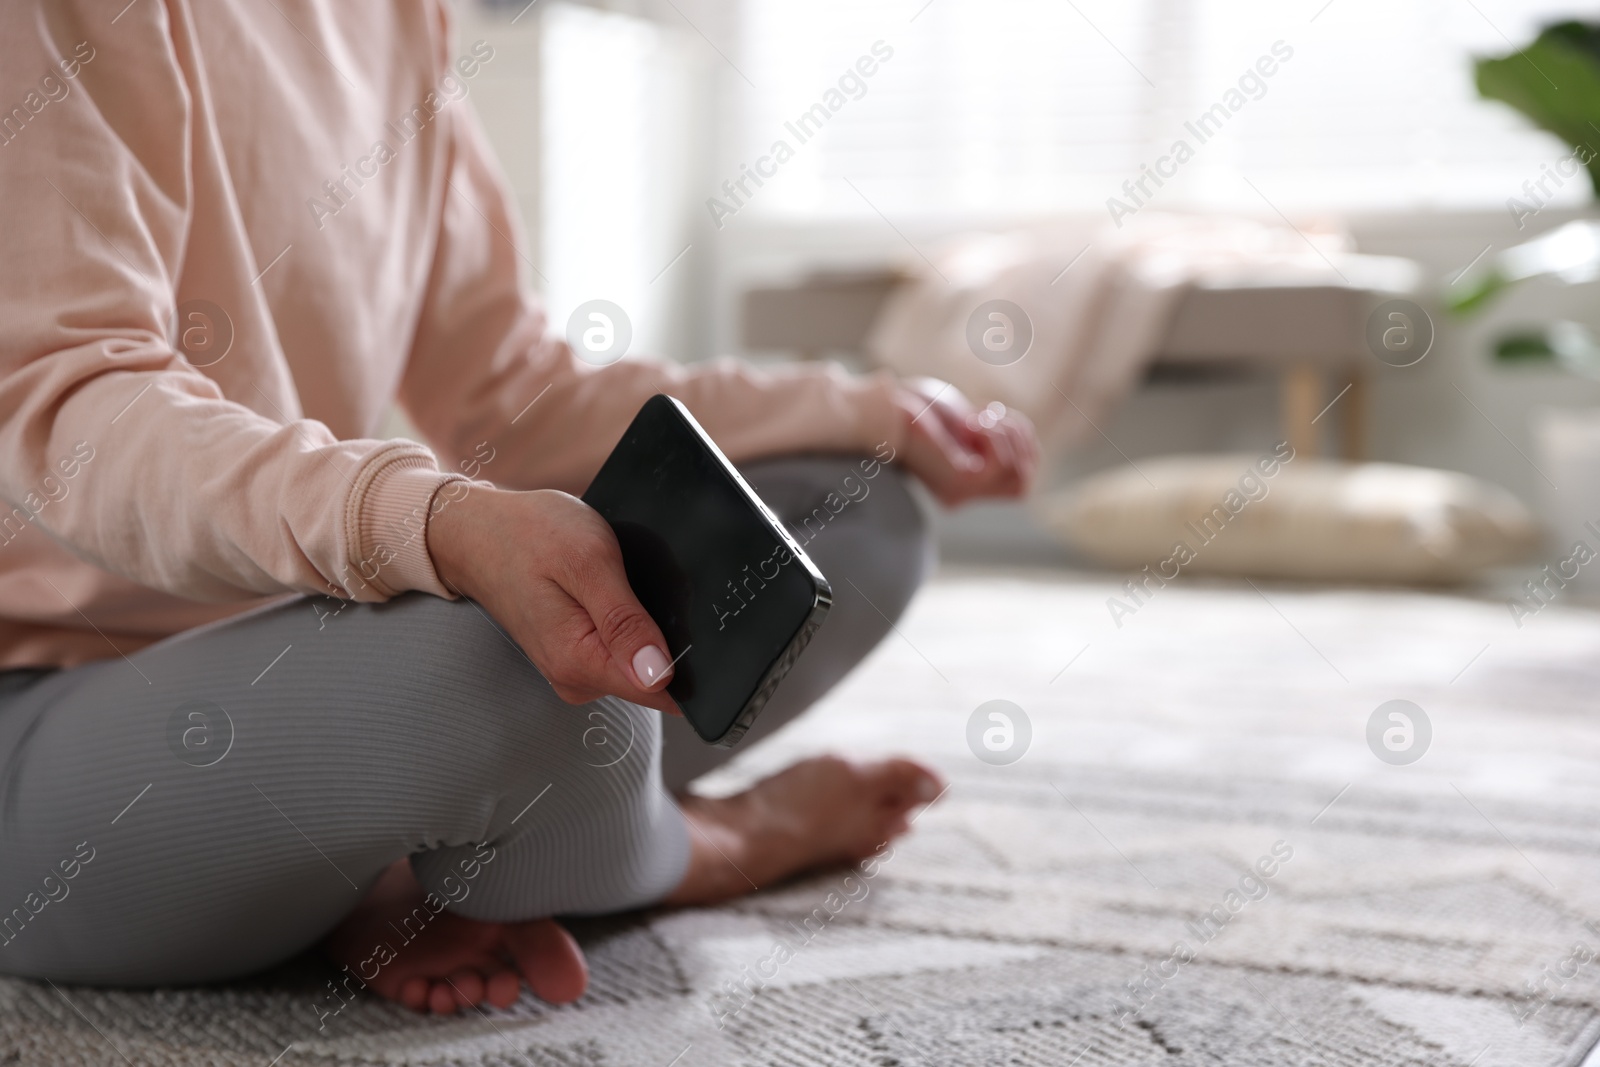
[{"x": 963, "y": 453}]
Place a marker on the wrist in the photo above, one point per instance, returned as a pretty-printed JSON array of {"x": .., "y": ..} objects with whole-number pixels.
[
  {"x": 913, "y": 398},
  {"x": 453, "y": 530},
  {"x": 918, "y": 397}
]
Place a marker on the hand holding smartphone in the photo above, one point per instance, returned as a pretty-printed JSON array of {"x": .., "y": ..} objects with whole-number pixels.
[{"x": 736, "y": 598}]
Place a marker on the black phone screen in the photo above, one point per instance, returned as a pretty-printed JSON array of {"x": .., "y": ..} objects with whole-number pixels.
[{"x": 732, "y": 594}]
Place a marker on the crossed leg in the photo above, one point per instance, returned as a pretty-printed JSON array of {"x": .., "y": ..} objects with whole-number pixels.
[
  {"x": 246, "y": 789},
  {"x": 868, "y": 535}
]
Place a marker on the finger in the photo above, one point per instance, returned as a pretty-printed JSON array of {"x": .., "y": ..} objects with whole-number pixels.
[
  {"x": 1003, "y": 448},
  {"x": 1027, "y": 446},
  {"x": 1027, "y": 434},
  {"x": 1017, "y": 461},
  {"x": 1013, "y": 465},
  {"x": 959, "y": 422},
  {"x": 576, "y": 694},
  {"x": 574, "y": 657},
  {"x": 661, "y": 701},
  {"x": 956, "y": 454},
  {"x": 638, "y": 652}
]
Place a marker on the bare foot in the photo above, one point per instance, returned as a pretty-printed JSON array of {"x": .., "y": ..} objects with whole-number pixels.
[
  {"x": 450, "y": 962},
  {"x": 820, "y": 812}
]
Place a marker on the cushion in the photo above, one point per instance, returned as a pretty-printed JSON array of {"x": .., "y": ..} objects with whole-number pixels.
[{"x": 1277, "y": 516}]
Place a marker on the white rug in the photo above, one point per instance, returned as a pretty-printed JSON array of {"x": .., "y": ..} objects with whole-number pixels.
[{"x": 1217, "y": 724}]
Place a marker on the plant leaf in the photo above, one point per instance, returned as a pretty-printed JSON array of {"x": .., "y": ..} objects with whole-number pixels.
[{"x": 1555, "y": 82}]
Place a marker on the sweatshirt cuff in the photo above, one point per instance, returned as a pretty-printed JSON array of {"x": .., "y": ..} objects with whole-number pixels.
[{"x": 389, "y": 529}]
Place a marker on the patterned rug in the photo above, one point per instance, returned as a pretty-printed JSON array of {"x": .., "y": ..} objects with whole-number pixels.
[{"x": 1199, "y": 859}]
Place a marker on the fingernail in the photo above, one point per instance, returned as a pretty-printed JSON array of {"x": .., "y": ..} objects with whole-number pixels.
[
  {"x": 650, "y": 665},
  {"x": 927, "y": 789}
]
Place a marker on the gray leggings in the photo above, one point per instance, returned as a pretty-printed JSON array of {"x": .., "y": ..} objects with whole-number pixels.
[{"x": 219, "y": 801}]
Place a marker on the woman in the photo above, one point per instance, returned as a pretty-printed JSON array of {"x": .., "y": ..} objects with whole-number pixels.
[{"x": 236, "y": 233}]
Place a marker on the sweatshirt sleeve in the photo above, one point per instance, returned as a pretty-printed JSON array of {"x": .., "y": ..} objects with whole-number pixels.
[
  {"x": 486, "y": 377},
  {"x": 196, "y": 493}
]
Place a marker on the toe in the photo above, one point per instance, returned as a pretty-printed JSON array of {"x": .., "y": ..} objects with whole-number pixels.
[
  {"x": 442, "y": 999},
  {"x": 549, "y": 959},
  {"x": 414, "y": 994},
  {"x": 468, "y": 987},
  {"x": 906, "y": 784},
  {"x": 503, "y": 988}
]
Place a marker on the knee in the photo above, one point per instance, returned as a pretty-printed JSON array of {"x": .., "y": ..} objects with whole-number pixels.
[
  {"x": 882, "y": 541},
  {"x": 899, "y": 521},
  {"x": 590, "y": 831},
  {"x": 856, "y": 517}
]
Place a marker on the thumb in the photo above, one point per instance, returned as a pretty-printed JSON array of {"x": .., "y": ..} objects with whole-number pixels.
[{"x": 637, "y": 648}]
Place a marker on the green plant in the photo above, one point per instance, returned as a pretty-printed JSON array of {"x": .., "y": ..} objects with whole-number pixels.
[
  {"x": 1569, "y": 345},
  {"x": 1555, "y": 82}
]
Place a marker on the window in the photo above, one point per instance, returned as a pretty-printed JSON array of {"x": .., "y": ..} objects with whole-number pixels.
[
  {"x": 614, "y": 111},
  {"x": 1011, "y": 107}
]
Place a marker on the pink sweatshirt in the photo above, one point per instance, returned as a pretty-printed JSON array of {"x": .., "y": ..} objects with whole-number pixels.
[{"x": 161, "y": 170}]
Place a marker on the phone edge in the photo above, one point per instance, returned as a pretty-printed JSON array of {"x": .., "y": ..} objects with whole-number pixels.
[
  {"x": 822, "y": 590},
  {"x": 779, "y": 669}
]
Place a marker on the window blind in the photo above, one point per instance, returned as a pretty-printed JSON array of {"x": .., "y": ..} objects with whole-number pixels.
[{"x": 1026, "y": 106}]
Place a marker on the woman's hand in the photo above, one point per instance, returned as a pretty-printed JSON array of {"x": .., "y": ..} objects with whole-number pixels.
[
  {"x": 962, "y": 453},
  {"x": 546, "y": 567}
]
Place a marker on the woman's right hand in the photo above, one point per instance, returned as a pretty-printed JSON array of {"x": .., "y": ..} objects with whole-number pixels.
[{"x": 547, "y": 568}]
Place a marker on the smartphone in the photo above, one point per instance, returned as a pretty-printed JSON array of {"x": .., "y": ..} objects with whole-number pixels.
[{"x": 736, "y": 598}]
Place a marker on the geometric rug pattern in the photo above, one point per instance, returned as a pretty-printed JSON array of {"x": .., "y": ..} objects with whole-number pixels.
[{"x": 1198, "y": 860}]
